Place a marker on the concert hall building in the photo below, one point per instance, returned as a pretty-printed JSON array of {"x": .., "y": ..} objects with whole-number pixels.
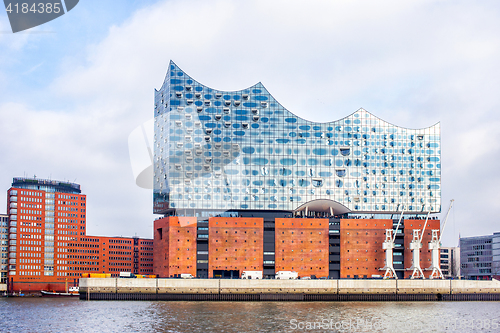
[{"x": 244, "y": 184}]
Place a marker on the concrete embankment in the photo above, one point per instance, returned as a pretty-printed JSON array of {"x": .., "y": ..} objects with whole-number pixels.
[{"x": 288, "y": 290}]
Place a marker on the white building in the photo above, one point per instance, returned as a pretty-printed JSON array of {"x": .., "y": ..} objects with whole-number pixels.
[{"x": 450, "y": 262}]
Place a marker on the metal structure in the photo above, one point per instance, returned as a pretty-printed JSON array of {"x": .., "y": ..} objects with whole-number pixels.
[
  {"x": 435, "y": 246},
  {"x": 415, "y": 246},
  {"x": 388, "y": 246}
]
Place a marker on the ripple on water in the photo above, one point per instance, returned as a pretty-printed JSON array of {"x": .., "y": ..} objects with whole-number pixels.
[{"x": 73, "y": 315}]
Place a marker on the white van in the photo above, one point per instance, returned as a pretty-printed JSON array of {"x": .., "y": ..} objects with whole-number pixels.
[
  {"x": 255, "y": 275},
  {"x": 127, "y": 275},
  {"x": 286, "y": 275},
  {"x": 187, "y": 276}
]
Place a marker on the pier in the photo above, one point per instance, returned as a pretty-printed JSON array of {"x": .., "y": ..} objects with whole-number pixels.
[{"x": 288, "y": 290}]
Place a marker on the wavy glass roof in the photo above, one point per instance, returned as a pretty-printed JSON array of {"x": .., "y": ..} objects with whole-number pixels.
[{"x": 242, "y": 150}]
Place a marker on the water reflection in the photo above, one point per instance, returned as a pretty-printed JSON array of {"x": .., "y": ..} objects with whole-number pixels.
[{"x": 70, "y": 315}]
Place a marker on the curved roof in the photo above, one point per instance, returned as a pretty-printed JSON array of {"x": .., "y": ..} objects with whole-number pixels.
[
  {"x": 324, "y": 206},
  {"x": 259, "y": 85},
  {"x": 276, "y": 160}
]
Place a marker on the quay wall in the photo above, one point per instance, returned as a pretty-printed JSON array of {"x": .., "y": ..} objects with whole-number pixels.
[{"x": 280, "y": 290}]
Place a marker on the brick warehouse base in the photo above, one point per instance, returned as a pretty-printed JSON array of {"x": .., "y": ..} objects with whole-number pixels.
[{"x": 224, "y": 247}]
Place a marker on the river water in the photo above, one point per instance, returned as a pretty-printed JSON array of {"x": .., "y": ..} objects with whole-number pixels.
[{"x": 73, "y": 315}]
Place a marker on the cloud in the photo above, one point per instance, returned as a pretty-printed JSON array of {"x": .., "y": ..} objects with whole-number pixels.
[{"x": 411, "y": 63}]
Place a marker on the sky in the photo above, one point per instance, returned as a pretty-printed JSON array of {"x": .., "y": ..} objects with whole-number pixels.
[{"x": 72, "y": 90}]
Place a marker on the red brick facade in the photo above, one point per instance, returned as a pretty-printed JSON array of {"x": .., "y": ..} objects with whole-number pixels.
[
  {"x": 302, "y": 246},
  {"x": 235, "y": 244},
  {"x": 175, "y": 246},
  {"x": 361, "y": 241},
  {"x": 361, "y": 247},
  {"x": 425, "y": 253}
]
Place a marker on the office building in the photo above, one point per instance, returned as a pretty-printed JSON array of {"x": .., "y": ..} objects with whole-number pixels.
[
  {"x": 48, "y": 243},
  {"x": 480, "y": 257},
  {"x": 248, "y": 170}
]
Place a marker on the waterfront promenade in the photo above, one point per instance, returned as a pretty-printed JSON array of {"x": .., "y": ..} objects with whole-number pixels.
[{"x": 293, "y": 290}]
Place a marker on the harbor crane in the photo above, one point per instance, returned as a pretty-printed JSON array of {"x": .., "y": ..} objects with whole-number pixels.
[
  {"x": 435, "y": 246},
  {"x": 415, "y": 246},
  {"x": 388, "y": 246}
]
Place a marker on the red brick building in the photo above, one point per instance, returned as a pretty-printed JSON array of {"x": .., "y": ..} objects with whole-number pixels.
[
  {"x": 224, "y": 247},
  {"x": 48, "y": 245}
]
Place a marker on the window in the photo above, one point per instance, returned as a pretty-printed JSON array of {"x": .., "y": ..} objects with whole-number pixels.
[
  {"x": 345, "y": 151},
  {"x": 317, "y": 182}
]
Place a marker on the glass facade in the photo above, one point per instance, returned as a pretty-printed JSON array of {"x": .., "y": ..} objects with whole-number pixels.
[
  {"x": 476, "y": 257},
  {"x": 242, "y": 150},
  {"x": 4, "y": 242}
]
